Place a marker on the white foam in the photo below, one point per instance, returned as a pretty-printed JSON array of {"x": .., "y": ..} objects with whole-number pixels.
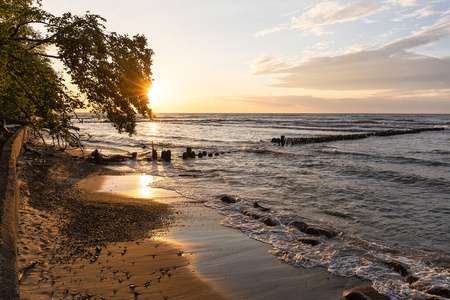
[{"x": 344, "y": 255}]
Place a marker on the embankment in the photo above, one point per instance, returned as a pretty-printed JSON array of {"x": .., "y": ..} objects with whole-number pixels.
[{"x": 9, "y": 206}]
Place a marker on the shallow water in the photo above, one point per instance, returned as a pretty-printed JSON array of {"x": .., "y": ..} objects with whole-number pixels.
[{"x": 389, "y": 196}]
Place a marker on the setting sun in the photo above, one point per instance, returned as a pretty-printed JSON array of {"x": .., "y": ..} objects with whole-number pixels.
[{"x": 155, "y": 95}]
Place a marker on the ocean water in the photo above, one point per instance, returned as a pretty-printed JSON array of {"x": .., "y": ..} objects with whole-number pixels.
[{"x": 388, "y": 197}]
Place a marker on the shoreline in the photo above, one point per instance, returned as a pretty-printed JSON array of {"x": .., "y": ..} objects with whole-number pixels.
[{"x": 194, "y": 251}]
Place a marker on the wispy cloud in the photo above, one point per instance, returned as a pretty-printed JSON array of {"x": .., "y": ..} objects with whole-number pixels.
[
  {"x": 269, "y": 64},
  {"x": 327, "y": 13},
  {"x": 404, "y": 3},
  {"x": 418, "y": 14},
  {"x": 391, "y": 66}
]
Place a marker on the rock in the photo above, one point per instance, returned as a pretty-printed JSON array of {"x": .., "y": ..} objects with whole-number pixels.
[
  {"x": 439, "y": 291},
  {"x": 269, "y": 222},
  {"x": 355, "y": 295},
  {"x": 210, "y": 155},
  {"x": 411, "y": 279},
  {"x": 192, "y": 154},
  {"x": 250, "y": 214},
  {"x": 309, "y": 241},
  {"x": 216, "y": 154},
  {"x": 185, "y": 155},
  {"x": 299, "y": 225},
  {"x": 398, "y": 267},
  {"x": 227, "y": 199},
  {"x": 320, "y": 231},
  {"x": 200, "y": 155},
  {"x": 256, "y": 205},
  {"x": 363, "y": 293}
]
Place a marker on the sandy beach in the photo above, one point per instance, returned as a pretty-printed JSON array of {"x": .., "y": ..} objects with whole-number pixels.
[{"x": 90, "y": 232}]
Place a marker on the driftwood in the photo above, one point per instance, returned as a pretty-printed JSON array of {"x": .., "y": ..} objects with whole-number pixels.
[
  {"x": 26, "y": 268},
  {"x": 99, "y": 158},
  {"x": 4, "y": 130}
]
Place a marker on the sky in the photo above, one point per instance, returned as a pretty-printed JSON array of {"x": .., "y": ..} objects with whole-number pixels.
[{"x": 286, "y": 56}]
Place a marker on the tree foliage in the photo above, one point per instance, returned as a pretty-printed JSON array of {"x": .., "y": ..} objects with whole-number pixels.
[{"x": 112, "y": 71}]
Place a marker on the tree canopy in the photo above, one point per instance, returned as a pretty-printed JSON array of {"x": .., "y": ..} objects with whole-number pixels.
[{"x": 112, "y": 71}]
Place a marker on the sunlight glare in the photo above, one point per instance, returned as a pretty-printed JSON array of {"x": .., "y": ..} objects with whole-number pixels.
[{"x": 155, "y": 95}]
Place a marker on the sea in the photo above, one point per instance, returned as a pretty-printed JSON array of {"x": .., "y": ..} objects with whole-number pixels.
[{"x": 388, "y": 197}]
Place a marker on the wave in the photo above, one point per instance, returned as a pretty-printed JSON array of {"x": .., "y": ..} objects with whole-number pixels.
[
  {"x": 390, "y": 158},
  {"x": 344, "y": 254}
]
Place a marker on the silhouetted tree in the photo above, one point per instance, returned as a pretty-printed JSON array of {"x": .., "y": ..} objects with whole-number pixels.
[{"x": 112, "y": 71}]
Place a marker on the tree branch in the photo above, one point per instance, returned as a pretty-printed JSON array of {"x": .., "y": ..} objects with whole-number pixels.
[
  {"x": 47, "y": 55},
  {"x": 16, "y": 29}
]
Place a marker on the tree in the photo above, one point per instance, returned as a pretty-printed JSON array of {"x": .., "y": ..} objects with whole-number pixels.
[{"x": 112, "y": 71}]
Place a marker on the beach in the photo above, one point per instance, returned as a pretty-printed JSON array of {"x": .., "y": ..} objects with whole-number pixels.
[
  {"x": 312, "y": 219},
  {"x": 187, "y": 255}
]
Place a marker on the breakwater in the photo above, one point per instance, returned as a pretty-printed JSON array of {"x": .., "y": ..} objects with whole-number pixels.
[{"x": 283, "y": 141}]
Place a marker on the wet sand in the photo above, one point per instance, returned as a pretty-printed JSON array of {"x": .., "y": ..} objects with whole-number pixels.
[{"x": 189, "y": 255}]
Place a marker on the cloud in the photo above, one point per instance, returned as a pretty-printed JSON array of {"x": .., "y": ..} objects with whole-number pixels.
[
  {"x": 269, "y": 64},
  {"x": 404, "y": 3},
  {"x": 391, "y": 66},
  {"x": 327, "y": 13},
  {"x": 376, "y": 103},
  {"x": 418, "y": 14}
]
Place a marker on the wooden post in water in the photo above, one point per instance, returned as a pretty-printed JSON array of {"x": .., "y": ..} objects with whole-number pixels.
[
  {"x": 154, "y": 153},
  {"x": 283, "y": 140}
]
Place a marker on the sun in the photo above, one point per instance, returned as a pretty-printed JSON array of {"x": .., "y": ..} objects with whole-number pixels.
[{"x": 155, "y": 95}]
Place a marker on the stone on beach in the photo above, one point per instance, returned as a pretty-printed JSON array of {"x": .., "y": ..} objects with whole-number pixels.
[
  {"x": 398, "y": 267},
  {"x": 320, "y": 231},
  {"x": 363, "y": 293},
  {"x": 439, "y": 291},
  {"x": 313, "y": 230},
  {"x": 270, "y": 222},
  {"x": 299, "y": 225},
  {"x": 228, "y": 199},
  {"x": 256, "y": 205},
  {"x": 251, "y": 214},
  {"x": 309, "y": 241}
]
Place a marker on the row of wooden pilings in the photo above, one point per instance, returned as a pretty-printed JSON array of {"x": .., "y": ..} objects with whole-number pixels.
[
  {"x": 166, "y": 155},
  {"x": 283, "y": 141},
  {"x": 191, "y": 154}
]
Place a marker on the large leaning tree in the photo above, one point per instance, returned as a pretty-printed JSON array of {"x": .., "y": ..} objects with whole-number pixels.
[{"x": 112, "y": 72}]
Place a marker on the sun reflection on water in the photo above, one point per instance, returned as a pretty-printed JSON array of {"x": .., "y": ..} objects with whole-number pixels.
[{"x": 144, "y": 190}]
